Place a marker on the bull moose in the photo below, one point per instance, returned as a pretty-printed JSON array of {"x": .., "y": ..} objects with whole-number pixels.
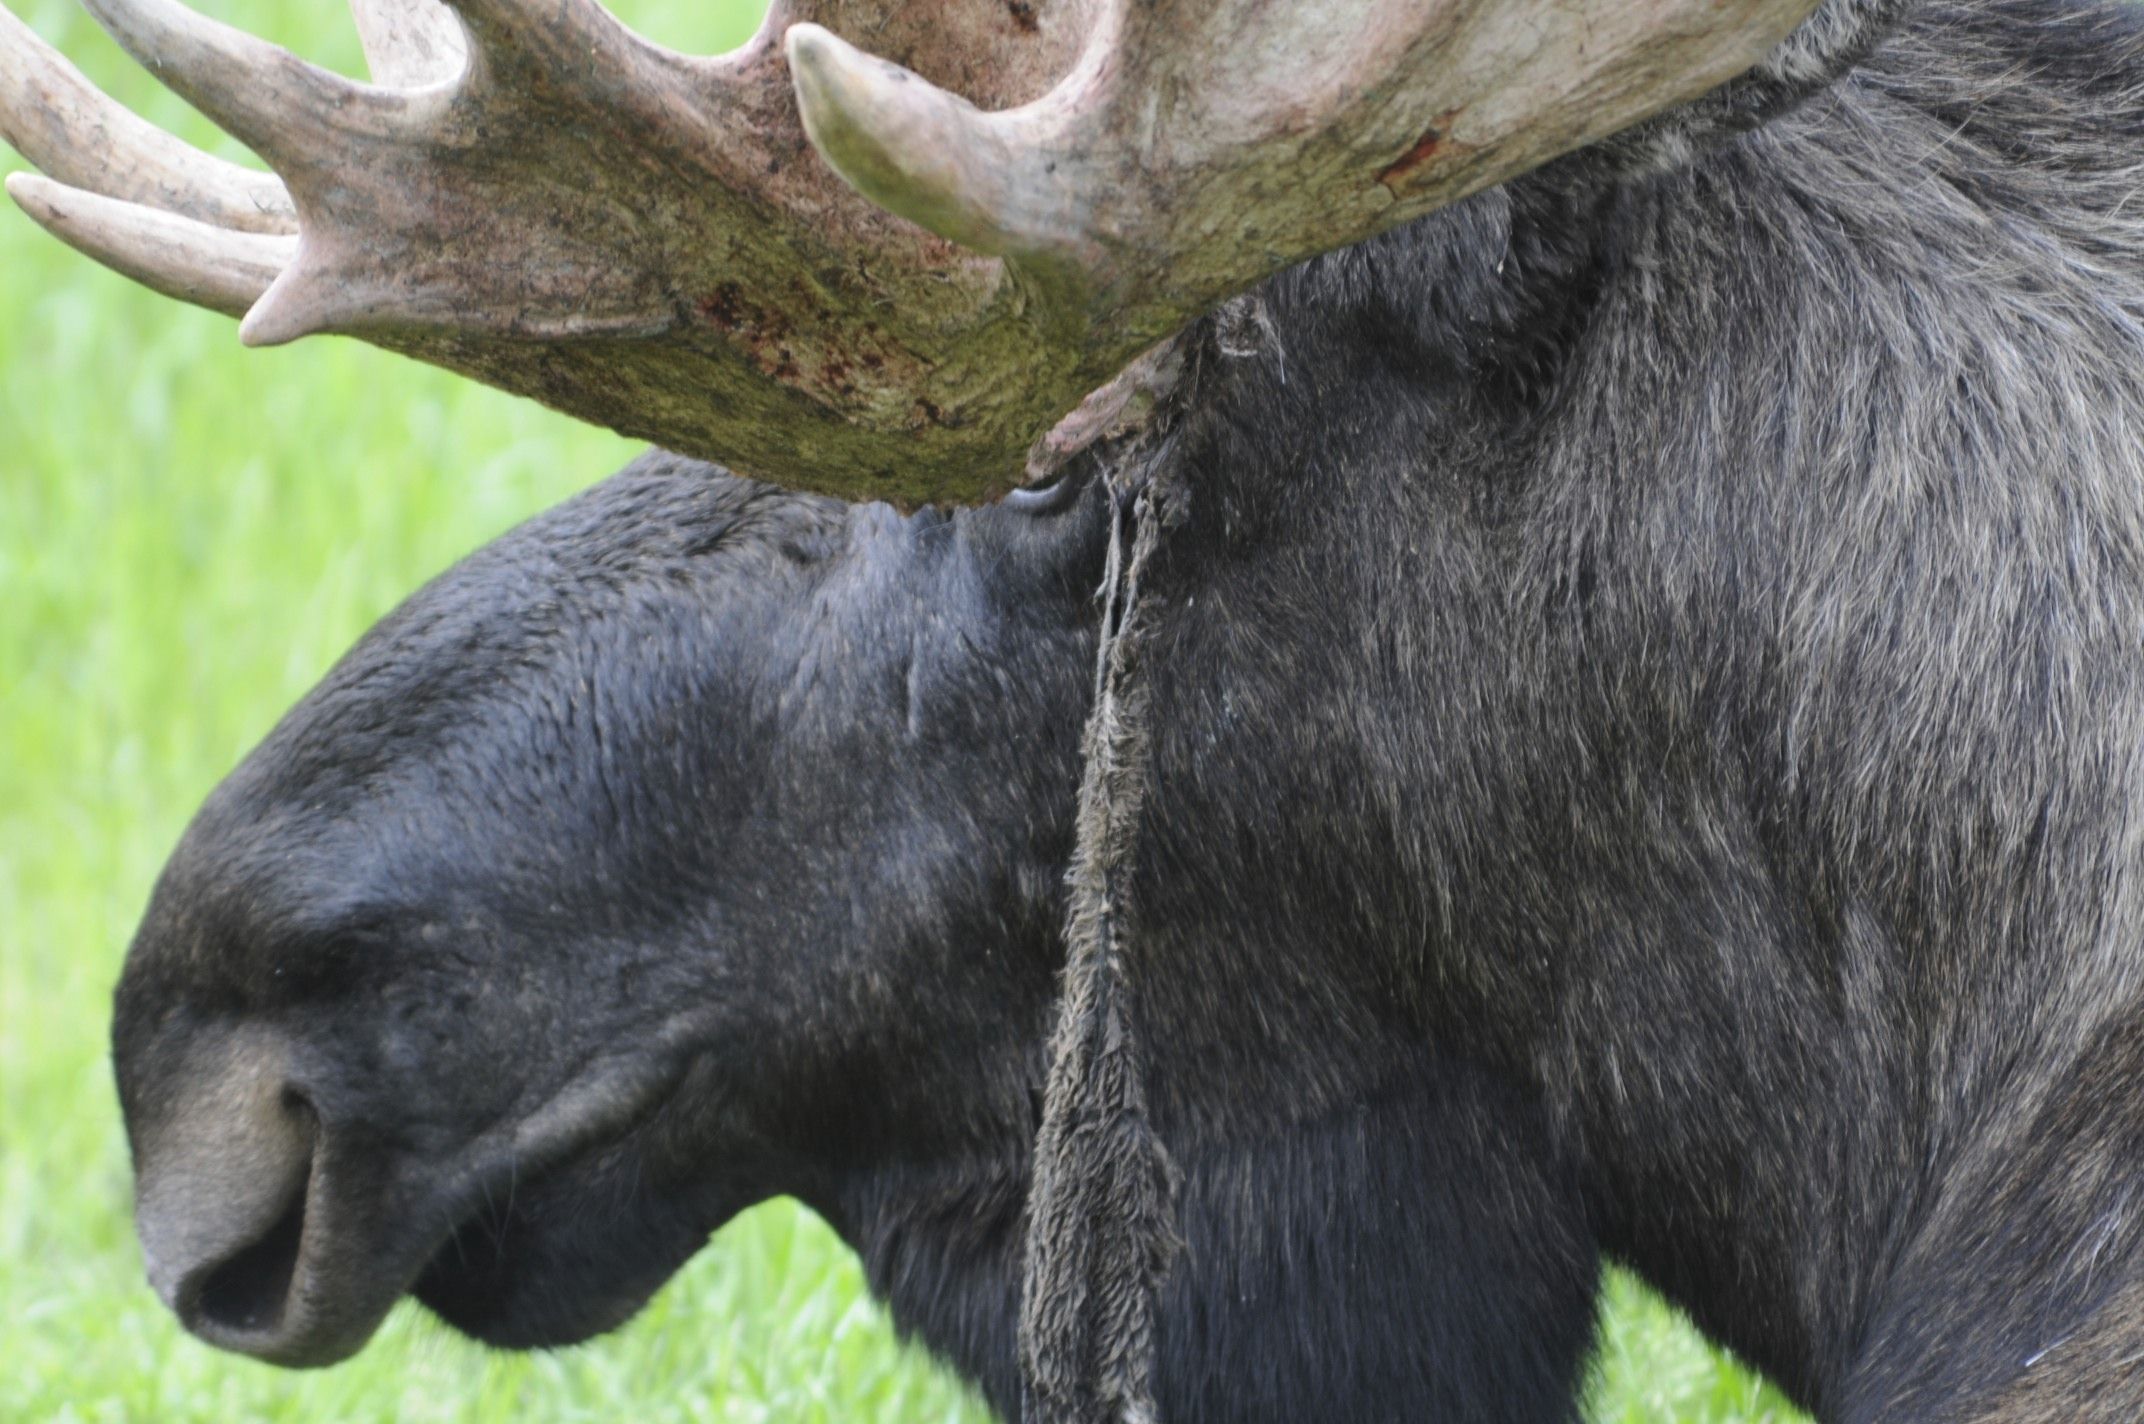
[{"x": 1643, "y": 694}]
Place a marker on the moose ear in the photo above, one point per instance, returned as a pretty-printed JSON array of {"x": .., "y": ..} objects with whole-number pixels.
[{"x": 1037, "y": 199}]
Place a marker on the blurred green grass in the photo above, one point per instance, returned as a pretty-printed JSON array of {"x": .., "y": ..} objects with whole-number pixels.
[{"x": 189, "y": 534}]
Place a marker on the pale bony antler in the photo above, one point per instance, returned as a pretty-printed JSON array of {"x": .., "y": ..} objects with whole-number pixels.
[{"x": 533, "y": 195}]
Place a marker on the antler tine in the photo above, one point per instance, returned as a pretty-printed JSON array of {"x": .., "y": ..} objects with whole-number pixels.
[
  {"x": 294, "y": 114},
  {"x": 193, "y": 261},
  {"x": 912, "y": 148},
  {"x": 46, "y": 105},
  {"x": 409, "y": 44}
]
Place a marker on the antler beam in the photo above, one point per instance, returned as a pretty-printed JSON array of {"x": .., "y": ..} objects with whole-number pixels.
[{"x": 534, "y": 196}]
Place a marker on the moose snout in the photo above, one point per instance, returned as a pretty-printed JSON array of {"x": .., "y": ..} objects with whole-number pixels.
[{"x": 224, "y": 1179}]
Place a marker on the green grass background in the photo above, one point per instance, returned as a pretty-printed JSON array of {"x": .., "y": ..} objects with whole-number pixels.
[{"x": 189, "y": 534}]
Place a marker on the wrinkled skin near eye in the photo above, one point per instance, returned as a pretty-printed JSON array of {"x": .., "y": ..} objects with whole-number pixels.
[{"x": 642, "y": 865}]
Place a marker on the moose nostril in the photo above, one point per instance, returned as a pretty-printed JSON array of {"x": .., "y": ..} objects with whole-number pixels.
[{"x": 246, "y": 1293}]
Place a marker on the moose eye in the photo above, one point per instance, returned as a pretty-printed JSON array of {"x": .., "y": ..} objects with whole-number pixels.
[{"x": 1053, "y": 497}]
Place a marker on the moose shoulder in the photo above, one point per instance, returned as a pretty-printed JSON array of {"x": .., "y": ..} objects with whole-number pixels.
[{"x": 1648, "y": 745}]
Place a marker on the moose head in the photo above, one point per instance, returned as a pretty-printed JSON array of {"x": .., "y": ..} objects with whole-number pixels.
[
  {"x": 1638, "y": 717},
  {"x": 719, "y": 899}
]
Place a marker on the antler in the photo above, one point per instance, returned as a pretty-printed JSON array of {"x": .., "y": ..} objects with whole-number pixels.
[{"x": 534, "y": 196}]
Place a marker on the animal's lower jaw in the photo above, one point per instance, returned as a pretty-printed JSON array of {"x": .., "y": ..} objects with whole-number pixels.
[{"x": 565, "y": 1263}]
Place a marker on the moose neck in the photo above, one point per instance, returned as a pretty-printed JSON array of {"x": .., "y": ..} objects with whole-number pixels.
[
  {"x": 1559, "y": 776},
  {"x": 1364, "y": 1264}
]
